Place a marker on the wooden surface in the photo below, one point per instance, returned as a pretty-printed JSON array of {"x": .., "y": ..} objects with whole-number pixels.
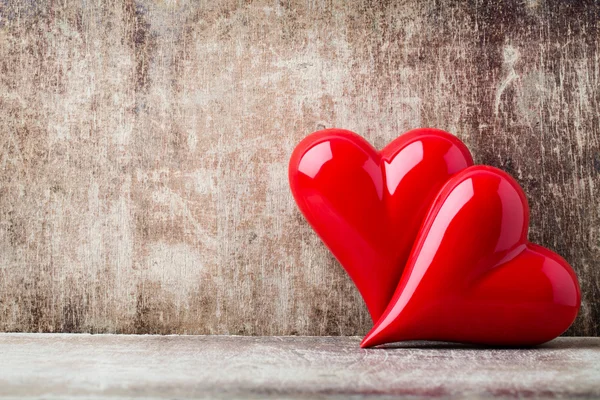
[
  {"x": 124, "y": 366},
  {"x": 144, "y": 147}
]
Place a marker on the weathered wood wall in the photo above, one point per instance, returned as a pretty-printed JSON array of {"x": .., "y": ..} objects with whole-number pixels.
[{"x": 144, "y": 147}]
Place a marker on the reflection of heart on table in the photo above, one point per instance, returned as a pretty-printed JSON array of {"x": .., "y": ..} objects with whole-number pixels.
[{"x": 471, "y": 275}]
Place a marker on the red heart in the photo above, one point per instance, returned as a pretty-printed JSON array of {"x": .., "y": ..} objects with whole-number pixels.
[
  {"x": 367, "y": 206},
  {"x": 473, "y": 277}
]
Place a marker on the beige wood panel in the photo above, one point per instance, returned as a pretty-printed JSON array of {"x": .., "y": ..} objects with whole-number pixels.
[{"x": 144, "y": 147}]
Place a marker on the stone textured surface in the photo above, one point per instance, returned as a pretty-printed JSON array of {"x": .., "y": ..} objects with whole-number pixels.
[
  {"x": 144, "y": 147},
  {"x": 110, "y": 366}
]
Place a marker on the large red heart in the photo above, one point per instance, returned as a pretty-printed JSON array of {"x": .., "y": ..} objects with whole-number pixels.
[
  {"x": 473, "y": 277},
  {"x": 367, "y": 206}
]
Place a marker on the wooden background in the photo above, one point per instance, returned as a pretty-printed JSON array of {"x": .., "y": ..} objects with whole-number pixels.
[{"x": 144, "y": 148}]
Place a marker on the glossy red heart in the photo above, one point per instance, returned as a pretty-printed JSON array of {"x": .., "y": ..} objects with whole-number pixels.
[
  {"x": 473, "y": 277},
  {"x": 367, "y": 206}
]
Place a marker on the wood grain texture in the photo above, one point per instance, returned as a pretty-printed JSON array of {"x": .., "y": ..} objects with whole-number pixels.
[
  {"x": 62, "y": 366},
  {"x": 144, "y": 148}
]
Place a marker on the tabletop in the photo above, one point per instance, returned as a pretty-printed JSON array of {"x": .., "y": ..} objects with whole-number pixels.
[{"x": 148, "y": 366}]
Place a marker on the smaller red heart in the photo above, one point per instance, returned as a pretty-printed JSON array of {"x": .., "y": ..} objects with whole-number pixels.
[
  {"x": 367, "y": 206},
  {"x": 472, "y": 275}
]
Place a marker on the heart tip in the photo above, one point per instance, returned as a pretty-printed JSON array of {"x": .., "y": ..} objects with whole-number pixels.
[
  {"x": 365, "y": 344},
  {"x": 371, "y": 340}
]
